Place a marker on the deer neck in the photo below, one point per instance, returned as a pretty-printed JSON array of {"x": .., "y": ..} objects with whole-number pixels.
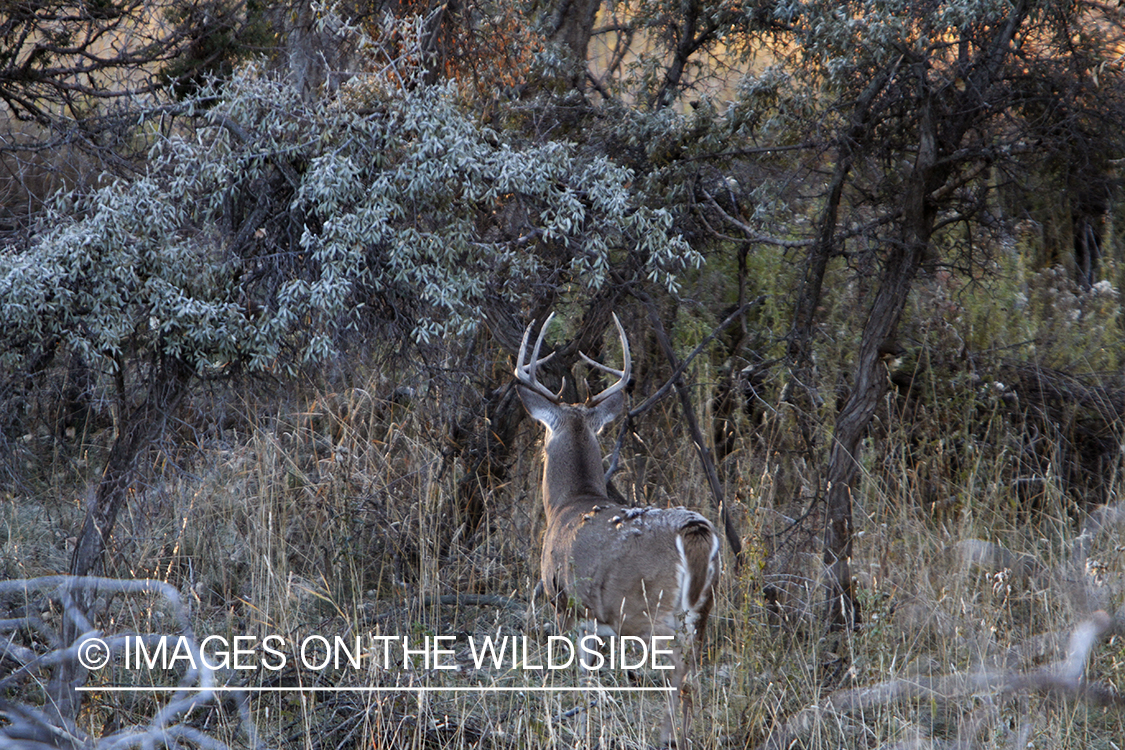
[{"x": 572, "y": 471}]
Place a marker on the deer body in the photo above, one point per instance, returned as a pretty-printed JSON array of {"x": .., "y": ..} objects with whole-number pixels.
[{"x": 633, "y": 571}]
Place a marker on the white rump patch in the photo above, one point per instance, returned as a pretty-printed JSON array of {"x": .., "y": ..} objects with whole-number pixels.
[
  {"x": 683, "y": 574},
  {"x": 716, "y": 561}
]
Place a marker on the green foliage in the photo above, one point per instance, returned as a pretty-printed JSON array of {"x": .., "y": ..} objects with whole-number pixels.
[
  {"x": 220, "y": 41},
  {"x": 1077, "y": 330},
  {"x": 401, "y": 195},
  {"x": 122, "y": 275},
  {"x": 1016, "y": 314}
]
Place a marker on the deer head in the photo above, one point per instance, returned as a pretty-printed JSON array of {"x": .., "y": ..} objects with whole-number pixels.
[{"x": 573, "y": 458}]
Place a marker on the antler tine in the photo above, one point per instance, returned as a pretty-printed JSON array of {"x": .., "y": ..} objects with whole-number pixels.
[
  {"x": 622, "y": 374},
  {"x": 599, "y": 365},
  {"x": 525, "y": 371}
]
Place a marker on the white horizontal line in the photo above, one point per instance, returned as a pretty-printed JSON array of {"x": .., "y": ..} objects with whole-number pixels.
[{"x": 403, "y": 689}]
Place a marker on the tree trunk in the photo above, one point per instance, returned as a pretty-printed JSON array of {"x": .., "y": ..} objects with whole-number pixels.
[
  {"x": 169, "y": 382},
  {"x": 572, "y": 25},
  {"x": 168, "y": 386},
  {"x": 870, "y": 383},
  {"x": 851, "y": 425},
  {"x": 316, "y": 51},
  {"x": 486, "y": 440},
  {"x": 686, "y": 45},
  {"x": 941, "y": 129},
  {"x": 816, "y": 263}
]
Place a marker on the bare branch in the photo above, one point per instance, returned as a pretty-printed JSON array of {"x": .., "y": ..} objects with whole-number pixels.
[
  {"x": 752, "y": 237},
  {"x": 1062, "y": 680},
  {"x": 27, "y": 722}
]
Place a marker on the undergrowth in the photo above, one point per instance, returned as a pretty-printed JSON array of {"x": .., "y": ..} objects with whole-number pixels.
[{"x": 330, "y": 514}]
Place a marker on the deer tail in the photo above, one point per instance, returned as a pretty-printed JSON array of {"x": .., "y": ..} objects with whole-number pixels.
[{"x": 698, "y": 545}]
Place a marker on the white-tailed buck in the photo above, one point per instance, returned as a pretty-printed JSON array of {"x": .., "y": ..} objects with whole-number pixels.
[{"x": 635, "y": 571}]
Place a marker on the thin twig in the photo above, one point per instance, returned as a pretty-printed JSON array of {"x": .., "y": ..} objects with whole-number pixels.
[
  {"x": 195, "y": 686},
  {"x": 697, "y": 436},
  {"x": 752, "y": 237},
  {"x": 474, "y": 600},
  {"x": 575, "y": 711},
  {"x": 662, "y": 391}
]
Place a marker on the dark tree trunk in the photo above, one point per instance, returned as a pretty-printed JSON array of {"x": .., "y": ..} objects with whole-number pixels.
[
  {"x": 168, "y": 384},
  {"x": 686, "y": 45},
  {"x": 169, "y": 381},
  {"x": 486, "y": 440},
  {"x": 941, "y": 130},
  {"x": 1087, "y": 250},
  {"x": 851, "y": 425},
  {"x": 870, "y": 379},
  {"x": 816, "y": 263},
  {"x": 572, "y": 25}
]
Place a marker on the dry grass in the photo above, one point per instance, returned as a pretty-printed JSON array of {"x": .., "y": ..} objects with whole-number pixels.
[{"x": 328, "y": 519}]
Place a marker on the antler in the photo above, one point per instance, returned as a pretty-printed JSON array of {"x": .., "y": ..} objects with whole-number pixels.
[
  {"x": 622, "y": 374},
  {"x": 525, "y": 371}
]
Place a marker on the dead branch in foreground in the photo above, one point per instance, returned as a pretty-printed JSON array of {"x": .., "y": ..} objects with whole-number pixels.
[
  {"x": 1064, "y": 680},
  {"x": 32, "y": 653}
]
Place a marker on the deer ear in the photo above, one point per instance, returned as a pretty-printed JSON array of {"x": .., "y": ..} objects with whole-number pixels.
[
  {"x": 539, "y": 407},
  {"x": 607, "y": 411}
]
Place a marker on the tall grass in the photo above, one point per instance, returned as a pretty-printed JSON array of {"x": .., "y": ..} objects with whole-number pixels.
[{"x": 333, "y": 514}]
